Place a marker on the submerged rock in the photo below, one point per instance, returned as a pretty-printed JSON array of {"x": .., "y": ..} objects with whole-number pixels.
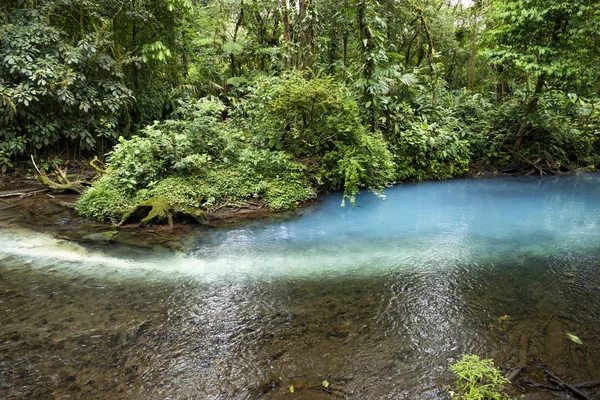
[{"x": 103, "y": 237}]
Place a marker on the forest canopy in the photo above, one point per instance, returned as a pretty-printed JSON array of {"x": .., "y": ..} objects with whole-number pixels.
[{"x": 211, "y": 104}]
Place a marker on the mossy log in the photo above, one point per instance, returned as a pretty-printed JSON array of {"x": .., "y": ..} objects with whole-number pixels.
[{"x": 62, "y": 182}]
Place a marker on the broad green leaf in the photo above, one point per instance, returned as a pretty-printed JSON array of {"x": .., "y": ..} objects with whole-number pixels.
[{"x": 232, "y": 48}]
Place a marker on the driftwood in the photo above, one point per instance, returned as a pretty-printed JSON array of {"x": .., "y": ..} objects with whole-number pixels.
[
  {"x": 22, "y": 193},
  {"x": 527, "y": 167},
  {"x": 567, "y": 386},
  {"x": 553, "y": 383},
  {"x": 513, "y": 374},
  {"x": 62, "y": 182},
  {"x": 587, "y": 385}
]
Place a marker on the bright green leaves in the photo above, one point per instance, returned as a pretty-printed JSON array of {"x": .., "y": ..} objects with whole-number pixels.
[
  {"x": 478, "y": 379},
  {"x": 183, "y": 5},
  {"x": 318, "y": 121},
  {"x": 541, "y": 37},
  {"x": 232, "y": 48},
  {"x": 155, "y": 51},
  {"x": 197, "y": 161}
]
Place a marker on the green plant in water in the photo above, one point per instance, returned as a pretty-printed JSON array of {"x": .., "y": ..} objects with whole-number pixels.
[{"x": 478, "y": 379}]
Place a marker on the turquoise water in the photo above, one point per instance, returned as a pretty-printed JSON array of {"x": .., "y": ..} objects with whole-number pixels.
[{"x": 377, "y": 299}]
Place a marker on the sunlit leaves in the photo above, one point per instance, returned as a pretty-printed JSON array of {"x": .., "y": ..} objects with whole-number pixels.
[{"x": 155, "y": 51}]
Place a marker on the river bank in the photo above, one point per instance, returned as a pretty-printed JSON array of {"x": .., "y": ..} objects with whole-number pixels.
[{"x": 40, "y": 208}]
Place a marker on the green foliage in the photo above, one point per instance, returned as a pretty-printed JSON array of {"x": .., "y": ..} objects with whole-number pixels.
[
  {"x": 318, "y": 121},
  {"x": 54, "y": 92},
  {"x": 544, "y": 38},
  {"x": 279, "y": 100},
  {"x": 478, "y": 379},
  {"x": 429, "y": 142},
  {"x": 105, "y": 201},
  {"x": 197, "y": 161},
  {"x": 561, "y": 134},
  {"x": 74, "y": 75}
]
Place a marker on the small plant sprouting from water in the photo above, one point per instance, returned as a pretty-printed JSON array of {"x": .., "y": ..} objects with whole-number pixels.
[{"x": 478, "y": 379}]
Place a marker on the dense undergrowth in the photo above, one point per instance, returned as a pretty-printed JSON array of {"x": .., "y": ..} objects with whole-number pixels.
[
  {"x": 221, "y": 104},
  {"x": 290, "y": 138}
]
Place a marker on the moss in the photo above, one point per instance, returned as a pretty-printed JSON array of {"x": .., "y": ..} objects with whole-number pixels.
[
  {"x": 160, "y": 210},
  {"x": 196, "y": 214},
  {"x": 103, "y": 201},
  {"x": 100, "y": 236}
]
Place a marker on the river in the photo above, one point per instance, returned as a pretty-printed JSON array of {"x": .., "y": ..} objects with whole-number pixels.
[{"x": 376, "y": 299}]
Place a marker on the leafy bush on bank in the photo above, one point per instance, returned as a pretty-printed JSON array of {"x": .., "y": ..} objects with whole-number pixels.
[
  {"x": 264, "y": 152},
  {"x": 198, "y": 162}
]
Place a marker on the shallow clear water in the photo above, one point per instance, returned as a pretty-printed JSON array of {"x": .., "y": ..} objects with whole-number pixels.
[{"x": 377, "y": 299}]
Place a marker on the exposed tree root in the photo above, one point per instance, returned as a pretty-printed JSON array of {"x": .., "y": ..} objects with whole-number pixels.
[
  {"x": 567, "y": 386},
  {"x": 96, "y": 167},
  {"x": 159, "y": 210}
]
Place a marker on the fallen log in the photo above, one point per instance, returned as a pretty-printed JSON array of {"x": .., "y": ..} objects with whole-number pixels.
[
  {"x": 565, "y": 385},
  {"x": 513, "y": 374},
  {"x": 25, "y": 195},
  {"x": 587, "y": 385},
  {"x": 21, "y": 192},
  {"x": 62, "y": 182}
]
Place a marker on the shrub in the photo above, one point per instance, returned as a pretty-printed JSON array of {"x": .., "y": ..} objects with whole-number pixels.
[
  {"x": 430, "y": 151},
  {"x": 318, "y": 121},
  {"x": 51, "y": 91},
  {"x": 478, "y": 379},
  {"x": 197, "y": 161}
]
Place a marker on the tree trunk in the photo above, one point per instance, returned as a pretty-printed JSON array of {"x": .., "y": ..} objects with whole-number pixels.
[
  {"x": 529, "y": 109},
  {"x": 472, "y": 70},
  {"x": 287, "y": 33},
  {"x": 134, "y": 47},
  {"x": 430, "y": 52},
  {"x": 305, "y": 35},
  {"x": 366, "y": 44},
  {"x": 238, "y": 24},
  {"x": 345, "y": 44}
]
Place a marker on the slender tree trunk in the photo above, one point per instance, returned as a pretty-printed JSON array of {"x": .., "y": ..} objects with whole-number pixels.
[
  {"x": 81, "y": 27},
  {"x": 238, "y": 24},
  {"x": 409, "y": 56},
  {"x": 345, "y": 45},
  {"x": 134, "y": 48},
  {"x": 287, "y": 33},
  {"x": 529, "y": 109},
  {"x": 366, "y": 44},
  {"x": 472, "y": 70},
  {"x": 430, "y": 52},
  {"x": 333, "y": 51},
  {"x": 305, "y": 35}
]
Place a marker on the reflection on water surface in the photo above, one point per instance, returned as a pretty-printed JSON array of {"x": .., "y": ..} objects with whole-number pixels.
[{"x": 376, "y": 299}]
